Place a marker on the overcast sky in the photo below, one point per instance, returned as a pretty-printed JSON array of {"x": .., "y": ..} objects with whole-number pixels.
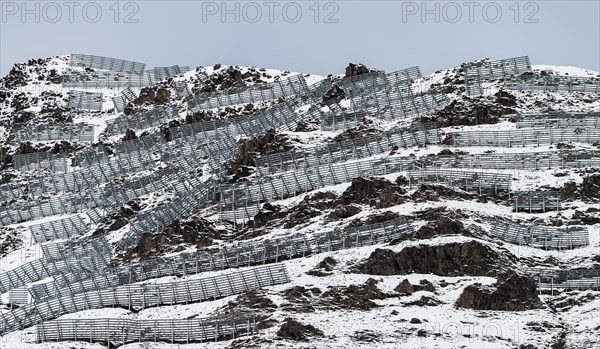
[{"x": 308, "y": 36}]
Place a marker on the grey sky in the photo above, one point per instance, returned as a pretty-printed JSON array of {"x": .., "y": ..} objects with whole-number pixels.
[{"x": 389, "y": 35}]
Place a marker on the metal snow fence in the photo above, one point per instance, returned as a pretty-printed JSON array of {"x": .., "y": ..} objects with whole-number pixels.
[
  {"x": 559, "y": 119},
  {"x": 31, "y": 161},
  {"x": 143, "y": 120},
  {"x": 121, "y": 101},
  {"x": 398, "y": 104},
  {"x": 241, "y": 254},
  {"x": 553, "y": 83},
  {"x": 292, "y": 86},
  {"x": 524, "y": 137},
  {"x": 566, "y": 279},
  {"x": 536, "y": 201},
  {"x": 466, "y": 180},
  {"x": 58, "y": 229},
  {"x": 545, "y": 237},
  {"x": 339, "y": 119},
  {"x": 85, "y": 100},
  {"x": 142, "y": 296},
  {"x": 352, "y": 149},
  {"x": 105, "y": 63},
  {"x": 291, "y": 183},
  {"x": 41, "y": 268},
  {"x": 162, "y": 73},
  {"x": 79, "y": 248},
  {"x": 104, "y": 79},
  {"x": 53, "y": 132},
  {"x": 181, "y": 89},
  {"x": 37, "y": 208},
  {"x": 478, "y": 72},
  {"x": 371, "y": 82},
  {"x": 123, "y": 331},
  {"x": 279, "y": 117}
]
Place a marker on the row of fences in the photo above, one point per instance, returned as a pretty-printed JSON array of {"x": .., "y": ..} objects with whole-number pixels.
[
  {"x": 141, "y": 121},
  {"x": 117, "y": 332},
  {"x": 104, "y": 172},
  {"x": 240, "y": 201},
  {"x": 64, "y": 228},
  {"x": 525, "y": 137},
  {"x": 470, "y": 181},
  {"x": 553, "y": 83},
  {"x": 339, "y": 119},
  {"x": 110, "y": 195},
  {"x": 58, "y": 163},
  {"x": 559, "y": 119},
  {"x": 121, "y": 101},
  {"x": 398, "y": 103},
  {"x": 42, "y": 268},
  {"x": 112, "y": 79},
  {"x": 292, "y": 86},
  {"x": 565, "y": 279},
  {"x": 371, "y": 82},
  {"x": 352, "y": 149},
  {"x": 85, "y": 100},
  {"x": 544, "y": 237},
  {"x": 241, "y": 254},
  {"x": 142, "y": 296},
  {"x": 187, "y": 198},
  {"x": 281, "y": 116},
  {"x": 478, "y": 72},
  {"x": 105, "y": 63},
  {"x": 55, "y": 132},
  {"x": 77, "y": 249},
  {"x": 536, "y": 201}
]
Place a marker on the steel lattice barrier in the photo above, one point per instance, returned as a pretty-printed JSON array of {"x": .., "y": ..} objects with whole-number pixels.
[
  {"x": 524, "y": 137},
  {"x": 540, "y": 236},
  {"x": 58, "y": 229},
  {"x": 142, "y": 296},
  {"x": 123, "y": 331},
  {"x": 79, "y": 248},
  {"x": 239, "y": 255},
  {"x": 392, "y": 104},
  {"x": 121, "y": 101},
  {"x": 140, "y": 121},
  {"x": 292, "y": 86},
  {"x": 85, "y": 100},
  {"x": 55, "y": 162},
  {"x": 52, "y": 132},
  {"x": 553, "y": 83},
  {"x": 478, "y": 72},
  {"x": 467, "y": 180},
  {"x": 105, "y": 63},
  {"x": 373, "y": 81},
  {"x": 284, "y": 184},
  {"x": 566, "y": 279},
  {"x": 536, "y": 201},
  {"x": 352, "y": 149},
  {"x": 559, "y": 119}
]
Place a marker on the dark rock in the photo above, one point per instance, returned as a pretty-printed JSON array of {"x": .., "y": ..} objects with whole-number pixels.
[
  {"x": 453, "y": 259},
  {"x": 424, "y": 301},
  {"x": 294, "y": 330},
  {"x": 335, "y": 94},
  {"x": 357, "y": 69},
  {"x": 590, "y": 188},
  {"x": 512, "y": 292},
  {"x": 129, "y": 135},
  {"x": 405, "y": 287},
  {"x": 506, "y": 99},
  {"x": 379, "y": 193},
  {"x": 442, "y": 226},
  {"x": 568, "y": 191}
]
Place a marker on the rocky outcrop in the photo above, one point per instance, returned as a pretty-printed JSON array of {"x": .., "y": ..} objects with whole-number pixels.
[
  {"x": 474, "y": 111},
  {"x": 405, "y": 287},
  {"x": 357, "y": 69},
  {"x": 453, "y": 259},
  {"x": 296, "y": 331},
  {"x": 379, "y": 193},
  {"x": 512, "y": 292}
]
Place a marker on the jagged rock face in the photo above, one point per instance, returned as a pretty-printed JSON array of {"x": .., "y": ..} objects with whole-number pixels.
[
  {"x": 334, "y": 94},
  {"x": 454, "y": 259},
  {"x": 512, "y": 292},
  {"x": 153, "y": 95},
  {"x": 129, "y": 135},
  {"x": 357, "y": 69},
  {"x": 442, "y": 226},
  {"x": 378, "y": 193},
  {"x": 589, "y": 190},
  {"x": 473, "y": 111},
  {"x": 405, "y": 287}
]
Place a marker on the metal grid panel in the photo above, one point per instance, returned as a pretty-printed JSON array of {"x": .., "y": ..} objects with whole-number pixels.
[
  {"x": 145, "y": 295},
  {"x": 559, "y": 119},
  {"x": 536, "y": 201},
  {"x": 58, "y": 229},
  {"x": 524, "y": 137},
  {"x": 540, "y": 236},
  {"x": 123, "y": 331},
  {"x": 566, "y": 279},
  {"x": 140, "y": 121},
  {"x": 54, "y": 132},
  {"x": 85, "y": 100},
  {"x": 105, "y": 63},
  {"x": 55, "y": 162},
  {"x": 478, "y": 72},
  {"x": 467, "y": 180},
  {"x": 553, "y": 83}
]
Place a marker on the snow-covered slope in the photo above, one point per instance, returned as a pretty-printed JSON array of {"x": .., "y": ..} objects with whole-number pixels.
[{"x": 352, "y": 298}]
